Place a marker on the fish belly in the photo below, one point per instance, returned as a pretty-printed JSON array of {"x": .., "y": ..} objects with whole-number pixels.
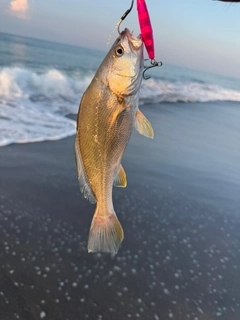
[
  {"x": 104, "y": 129},
  {"x": 105, "y": 122}
]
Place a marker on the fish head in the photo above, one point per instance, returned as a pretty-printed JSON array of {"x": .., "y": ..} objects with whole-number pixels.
[{"x": 124, "y": 74}]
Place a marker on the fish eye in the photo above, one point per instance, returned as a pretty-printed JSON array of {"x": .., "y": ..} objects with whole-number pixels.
[{"x": 119, "y": 51}]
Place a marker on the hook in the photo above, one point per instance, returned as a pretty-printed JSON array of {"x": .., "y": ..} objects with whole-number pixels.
[
  {"x": 124, "y": 16},
  {"x": 154, "y": 63}
]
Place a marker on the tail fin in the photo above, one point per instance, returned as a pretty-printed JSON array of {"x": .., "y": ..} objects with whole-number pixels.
[{"x": 106, "y": 234}]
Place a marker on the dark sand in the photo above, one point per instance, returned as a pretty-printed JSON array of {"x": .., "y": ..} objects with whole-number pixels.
[{"x": 180, "y": 258}]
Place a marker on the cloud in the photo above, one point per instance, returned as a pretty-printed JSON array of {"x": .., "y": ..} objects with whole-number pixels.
[{"x": 19, "y": 8}]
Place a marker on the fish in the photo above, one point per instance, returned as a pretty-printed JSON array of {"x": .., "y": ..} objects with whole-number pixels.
[{"x": 108, "y": 111}]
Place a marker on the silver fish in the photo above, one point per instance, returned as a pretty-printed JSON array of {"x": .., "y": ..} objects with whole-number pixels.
[{"x": 107, "y": 113}]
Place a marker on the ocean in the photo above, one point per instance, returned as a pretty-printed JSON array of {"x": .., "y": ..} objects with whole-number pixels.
[{"x": 42, "y": 82}]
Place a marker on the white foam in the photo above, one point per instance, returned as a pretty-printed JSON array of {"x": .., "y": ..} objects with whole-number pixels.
[
  {"x": 155, "y": 91},
  {"x": 26, "y": 123},
  {"x": 53, "y": 88},
  {"x": 33, "y": 104}
]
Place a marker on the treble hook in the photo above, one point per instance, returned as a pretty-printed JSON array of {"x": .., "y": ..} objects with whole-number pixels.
[
  {"x": 154, "y": 63},
  {"x": 124, "y": 16}
]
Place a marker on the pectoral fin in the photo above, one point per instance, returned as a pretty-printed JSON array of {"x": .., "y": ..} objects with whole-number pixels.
[
  {"x": 120, "y": 179},
  {"x": 143, "y": 126},
  {"x": 83, "y": 182}
]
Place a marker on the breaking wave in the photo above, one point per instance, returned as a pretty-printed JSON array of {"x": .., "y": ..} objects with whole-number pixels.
[
  {"x": 156, "y": 91},
  {"x": 33, "y": 106}
]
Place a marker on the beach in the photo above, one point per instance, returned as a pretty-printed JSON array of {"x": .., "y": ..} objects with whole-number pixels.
[{"x": 180, "y": 213}]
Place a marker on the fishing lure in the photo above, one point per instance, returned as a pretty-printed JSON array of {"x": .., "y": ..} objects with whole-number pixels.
[
  {"x": 147, "y": 34},
  {"x": 146, "y": 28}
]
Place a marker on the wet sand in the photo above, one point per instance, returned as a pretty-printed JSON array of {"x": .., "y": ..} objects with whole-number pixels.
[{"x": 180, "y": 258}]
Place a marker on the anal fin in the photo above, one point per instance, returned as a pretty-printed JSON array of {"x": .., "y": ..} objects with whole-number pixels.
[
  {"x": 121, "y": 178},
  {"x": 143, "y": 126},
  {"x": 83, "y": 182}
]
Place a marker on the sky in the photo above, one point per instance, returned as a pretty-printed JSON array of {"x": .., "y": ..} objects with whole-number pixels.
[{"x": 199, "y": 34}]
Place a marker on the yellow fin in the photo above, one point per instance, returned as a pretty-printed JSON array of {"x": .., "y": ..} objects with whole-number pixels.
[
  {"x": 120, "y": 179},
  {"x": 143, "y": 126}
]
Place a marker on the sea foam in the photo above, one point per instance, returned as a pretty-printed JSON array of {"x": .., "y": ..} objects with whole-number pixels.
[
  {"x": 34, "y": 105},
  {"x": 156, "y": 91}
]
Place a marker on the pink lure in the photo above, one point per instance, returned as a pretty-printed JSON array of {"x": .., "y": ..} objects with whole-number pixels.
[{"x": 146, "y": 28}]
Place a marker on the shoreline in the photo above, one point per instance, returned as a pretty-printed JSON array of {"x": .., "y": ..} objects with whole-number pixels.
[{"x": 180, "y": 256}]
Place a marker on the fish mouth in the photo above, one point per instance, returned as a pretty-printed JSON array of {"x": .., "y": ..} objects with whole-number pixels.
[{"x": 134, "y": 42}]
